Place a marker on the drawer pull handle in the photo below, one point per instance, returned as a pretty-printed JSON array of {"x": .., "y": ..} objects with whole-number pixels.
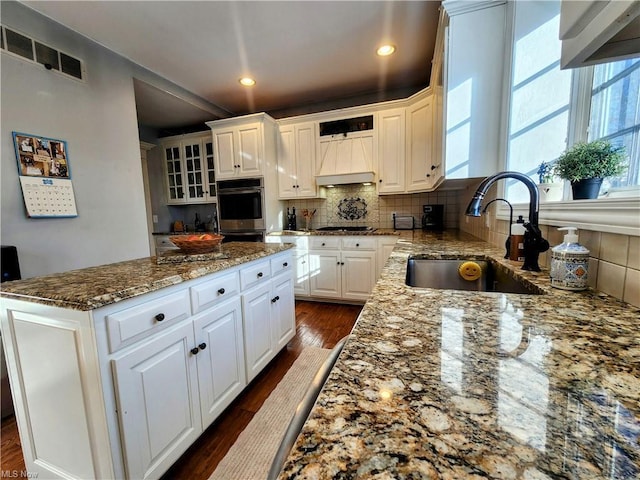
[
  {"x": 285, "y": 264},
  {"x": 202, "y": 346},
  {"x": 357, "y": 244},
  {"x": 159, "y": 317},
  {"x": 275, "y": 299},
  {"x": 259, "y": 274},
  {"x": 195, "y": 350},
  {"x": 323, "y": 244},
  {"x": 221, "y": 291}
]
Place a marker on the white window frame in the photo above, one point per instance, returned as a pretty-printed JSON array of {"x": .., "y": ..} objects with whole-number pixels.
[{"x": 613, "y": 215}]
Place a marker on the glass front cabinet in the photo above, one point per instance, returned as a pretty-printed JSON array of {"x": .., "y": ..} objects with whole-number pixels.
[{"x": 189, "y": 169}]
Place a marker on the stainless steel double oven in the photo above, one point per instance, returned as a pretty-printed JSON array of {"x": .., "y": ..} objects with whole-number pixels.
[{"x": 241, "y": 209}]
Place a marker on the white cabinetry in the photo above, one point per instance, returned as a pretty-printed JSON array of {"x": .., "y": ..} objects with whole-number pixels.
[
  {"x": 300, "y": 260},
  {"x": 297, "y": 161},
  {"x": 123, "y": 390},
  {"x": 189, "y": 169},
  {"x": 475, "y": 64},
  {"x": 391, "y": 151},
  {"x": 385, "y": 247},
  {"x": 351, "y": 154},
  {"x": 242, "y": 145},
  {"x": 267, "y": 307},
  {"x": 424, "y": 171},
  {"x": 342, "y": 267}
]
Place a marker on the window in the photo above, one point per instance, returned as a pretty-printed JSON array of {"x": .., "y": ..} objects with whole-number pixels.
[{"x": 551, "y": 109}]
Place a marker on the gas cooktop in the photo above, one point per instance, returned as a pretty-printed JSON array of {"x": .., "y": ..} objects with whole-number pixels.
[{"x": 346, "y": 229}]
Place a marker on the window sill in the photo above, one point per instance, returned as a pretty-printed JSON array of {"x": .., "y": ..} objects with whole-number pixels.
[{"x": 612, "y": 215}]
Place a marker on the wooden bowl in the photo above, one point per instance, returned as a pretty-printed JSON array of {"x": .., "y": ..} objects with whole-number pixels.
[{"x": 193, "y": 244}]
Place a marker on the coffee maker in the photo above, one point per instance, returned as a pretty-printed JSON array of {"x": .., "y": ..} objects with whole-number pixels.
[{"x": 433, "y": 217}]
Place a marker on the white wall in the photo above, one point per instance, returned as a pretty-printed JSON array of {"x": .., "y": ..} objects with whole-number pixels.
[{"x": 98, "y": 121}]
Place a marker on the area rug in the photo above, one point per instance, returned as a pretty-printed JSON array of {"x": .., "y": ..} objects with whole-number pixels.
[{"x": 251, "y": 455}]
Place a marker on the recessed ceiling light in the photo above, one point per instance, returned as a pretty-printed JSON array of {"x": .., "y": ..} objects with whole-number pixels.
[
  {"x": 247, "y": 81},
  {"x": 385, "y": 50}
]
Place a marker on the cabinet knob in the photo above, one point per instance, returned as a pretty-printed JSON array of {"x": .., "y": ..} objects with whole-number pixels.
[
  {"x": 195, "y": 350},
  {"x": 380, "y": 181},
  {"x": 275, "y": 299},
  {"x": 357, "y": 244},
  {"x": 159, "y": 317},
  {"x": 259, "y": 274},
  {"x": 221, "y": 291},
  {"x": 202, "y": 346},
  {"x": 323, "y": 244},
  {"x": 285, "y": 264},
  {"x": 341, "y": 263},
  {"x": 428, "y": 174},
  {"x": 433, "y": 167}
]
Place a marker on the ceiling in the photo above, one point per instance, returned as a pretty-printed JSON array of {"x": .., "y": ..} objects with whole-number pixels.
[{"x": 303, "y": 54}]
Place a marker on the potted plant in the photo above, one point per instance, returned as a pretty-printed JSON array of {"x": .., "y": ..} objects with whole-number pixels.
[
  {"x": 586, "y": 164},
  {"x": 550, "y": 190}
]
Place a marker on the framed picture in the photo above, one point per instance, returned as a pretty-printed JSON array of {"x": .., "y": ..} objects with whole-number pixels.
[{"x": 41, "y": 156}]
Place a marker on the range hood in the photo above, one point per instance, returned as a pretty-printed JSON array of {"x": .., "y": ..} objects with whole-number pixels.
[{"x": 346, "y": 159}]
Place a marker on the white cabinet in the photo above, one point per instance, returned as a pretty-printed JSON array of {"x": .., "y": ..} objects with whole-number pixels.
[
  {"x": 189, "y": 169},
  {"x": 242, "y": 146},
  {"x": 267, "y": 306},
  {"x": 385, "y": 247},
  {"x": 157, "y": 388},
  {"x": 123, "y": 390},
  {"x": 297, "y": 161},
  {"x": 342, "y": 267},
  {"x": 424, "y": 171},
  {"x": 391, "y": 151},
  {"x": 300, "y": 261}
]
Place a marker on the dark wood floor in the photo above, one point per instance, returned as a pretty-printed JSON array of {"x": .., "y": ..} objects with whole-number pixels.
[{"x": 318, "y": 324}]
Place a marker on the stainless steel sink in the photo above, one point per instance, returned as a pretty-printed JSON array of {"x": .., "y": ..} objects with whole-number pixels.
[{"x": 445, "y": 274}]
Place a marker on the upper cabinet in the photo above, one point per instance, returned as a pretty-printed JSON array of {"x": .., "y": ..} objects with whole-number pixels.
[
  {"x": 239, "y": 145},
  {"x": 598, "y": 31},
  {"x": 297, "y": 161},
  {"x": 391, "y": 151},
  {"x": 189, "y": 169},
  {"x": 475, "y": 61},
  {"x": 424, "y": 171}
]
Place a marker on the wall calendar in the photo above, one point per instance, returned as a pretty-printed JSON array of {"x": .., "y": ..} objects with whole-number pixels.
[{"x": 45, "y": 176}]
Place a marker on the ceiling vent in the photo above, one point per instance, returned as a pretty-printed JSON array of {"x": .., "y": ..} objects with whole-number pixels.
[{"x": 30, "y": 49}]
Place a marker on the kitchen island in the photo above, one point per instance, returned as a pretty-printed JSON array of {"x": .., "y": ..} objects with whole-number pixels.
[
  {"x": 470, "y": 385},
  {"x": 117, "y": 369}
]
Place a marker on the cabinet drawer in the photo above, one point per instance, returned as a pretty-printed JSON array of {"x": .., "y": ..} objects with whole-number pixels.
[
  {"x": 255, "y": 274},
  {"x": 283, "y": 263},
  {"x": 359, "y": 243},
  {"x": 127, "y": 326},
  {"x": 326, "y": 242},
  {"x": 212, "y": 291}
]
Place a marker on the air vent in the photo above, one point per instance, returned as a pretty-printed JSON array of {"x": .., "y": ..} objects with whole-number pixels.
[
  {"x": 30, "y": 49},
  {"x": 345, "y": 126}
]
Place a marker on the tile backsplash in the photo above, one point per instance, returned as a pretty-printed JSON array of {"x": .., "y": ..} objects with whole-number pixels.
[
  {"x": 379, "y": 209},
  {"x": 614, "y": 264}
]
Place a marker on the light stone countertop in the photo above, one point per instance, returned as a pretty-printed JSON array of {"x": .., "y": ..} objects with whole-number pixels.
[
  {"x": 444, "y": 384},
  {"x": 94, "y": 287}
]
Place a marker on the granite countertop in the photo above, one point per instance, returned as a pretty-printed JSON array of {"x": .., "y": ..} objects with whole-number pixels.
[
  {"x": 466, "y": 385},
  {"x": 94, "y": 287},
  {"x": 377, "y": 231}
]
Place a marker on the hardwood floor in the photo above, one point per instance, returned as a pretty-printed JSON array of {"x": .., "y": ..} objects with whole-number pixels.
[{"x": 318, "y": 324}]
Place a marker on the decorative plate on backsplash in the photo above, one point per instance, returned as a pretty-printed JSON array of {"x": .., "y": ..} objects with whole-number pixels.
[{"x": 352, "y": 208}]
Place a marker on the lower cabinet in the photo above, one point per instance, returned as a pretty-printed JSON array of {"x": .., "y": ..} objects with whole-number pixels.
[
  {"x": 141, "y": 378},
  {"x": 269, "y": 321},
  {"x": 344, "y": 275}
]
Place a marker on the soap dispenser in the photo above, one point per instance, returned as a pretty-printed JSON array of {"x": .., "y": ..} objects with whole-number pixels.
[
  {"x": 516, "y": 249},
  {"x": 569, "y": 262}
]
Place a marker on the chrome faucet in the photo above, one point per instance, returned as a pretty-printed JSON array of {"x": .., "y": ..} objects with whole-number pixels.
[{"x": 534, "y": 244}]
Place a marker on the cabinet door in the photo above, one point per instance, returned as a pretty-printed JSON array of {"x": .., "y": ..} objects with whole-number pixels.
[
  {"x": 157, "y": 390},
  {"x": 324, "y": 273},
  {"x": 224, "y": 152},
  {"x": 195, "y": 185},
  {"x": 420, "y": 168},
  {"x": 259, "y": 347},
  {"x": 391, "y": 151},
  {"x": 358, "y": 274},
  {"x": 301, "y": 274},
  {"x": 287, "y": 163},
  {"x": 174, "y": 174},
  {"x": 249, "y": 150},
  {"x": 305, "y": 144},
  {"x": 209, "y": 171},
  {"x": 221, "y": 374},
  {"x": 385, "y": 247},
  {"x": 283, "y": 318}
]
